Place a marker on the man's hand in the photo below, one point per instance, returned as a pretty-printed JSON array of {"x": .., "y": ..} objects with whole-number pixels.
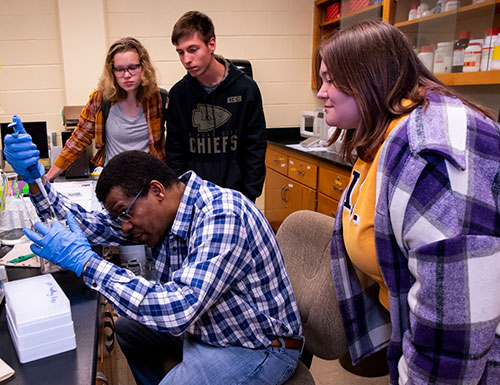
[
  {"x": 21, "y": 153},
  {"x": 66, "y": 248}
]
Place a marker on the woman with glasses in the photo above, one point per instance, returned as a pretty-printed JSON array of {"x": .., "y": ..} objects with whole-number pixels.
[{"x": 124, "y": 113}]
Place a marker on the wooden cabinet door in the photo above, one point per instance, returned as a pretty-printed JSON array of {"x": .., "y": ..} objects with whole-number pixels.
[
  {"x": 327, "y": 205},
  {"x": 284, "y": 196}
]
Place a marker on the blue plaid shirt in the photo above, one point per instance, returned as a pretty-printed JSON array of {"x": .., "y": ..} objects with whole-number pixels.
[
  {"x": 437, "y": 237},
  {"x": 221, "y": 275}
]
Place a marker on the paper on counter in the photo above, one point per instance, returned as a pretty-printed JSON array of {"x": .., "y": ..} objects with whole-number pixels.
[
  {"x": 307, "y": 149},
  {"x": 78, "y": 192},
  {"x": 17, "y": 251},
  {"x": 5, "y": 370}
]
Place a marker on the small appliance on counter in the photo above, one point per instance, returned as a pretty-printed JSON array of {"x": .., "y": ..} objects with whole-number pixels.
[{"x": 313, "y": 126}]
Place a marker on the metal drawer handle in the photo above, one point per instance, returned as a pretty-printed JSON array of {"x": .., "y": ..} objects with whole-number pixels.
[
  {"x": 337, "y": 188},
  {"x": 284, "y": 189},
  {"x": 301, "y": 172}
]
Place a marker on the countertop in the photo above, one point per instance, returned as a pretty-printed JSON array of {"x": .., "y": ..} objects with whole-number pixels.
[
  {"x": 281, "y": 137},
  {"x": 77, "y": 366}
]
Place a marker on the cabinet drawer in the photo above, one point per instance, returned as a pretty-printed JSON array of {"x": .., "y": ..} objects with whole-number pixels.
[
  {"x": 302, "y": 171},
  {"x": 326, "y": 205},
  {"x": 332, "y": 182},
  {"x": 277, "y": 161}
]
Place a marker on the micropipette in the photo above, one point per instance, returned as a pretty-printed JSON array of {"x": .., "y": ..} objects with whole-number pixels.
[{"x": 33, "y": 169}]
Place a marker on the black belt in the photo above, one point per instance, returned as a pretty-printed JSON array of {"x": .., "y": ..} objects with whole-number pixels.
[{"x": 290, "y": 343}]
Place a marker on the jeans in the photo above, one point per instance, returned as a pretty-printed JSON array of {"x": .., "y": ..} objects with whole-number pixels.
[{"x": 146, "y": 349}]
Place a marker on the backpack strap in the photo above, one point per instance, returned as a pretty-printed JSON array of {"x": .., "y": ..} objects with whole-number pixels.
[
  {"x": 105, "y": 107},
  {"x": 164, "y": 102}
]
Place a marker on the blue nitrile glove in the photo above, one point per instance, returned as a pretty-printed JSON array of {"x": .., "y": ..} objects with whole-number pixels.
[
  {"x": 21, "y": 153},
  {"x": 66, "y": 248}
]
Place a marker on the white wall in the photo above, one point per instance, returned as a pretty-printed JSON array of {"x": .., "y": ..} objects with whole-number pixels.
[
  {"x": 84, "y": 45},
  {"x": 31, "y": 78},
  {"x": 52, "y": 51},
  {"x": 52, "y": 56},
  {"x": 276, "y": 36}
]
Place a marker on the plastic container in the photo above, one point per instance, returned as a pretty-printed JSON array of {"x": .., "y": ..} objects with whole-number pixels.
[
  {"x": 459, "y": 51},
  {"x": 39, "y": 317},
  {"x": 3, "y": 280},
  {"x": 43, "y": 337},
  {"x": 440, "y": 6},
  {"x": 413, "y": 14},
  {"x": 443, "y": 56},
  {"x": 451, "y": 5},
  {"x": 4, "y": 188},
  {"x": 472, "y": 58},
  {"x": 426, "y": 55},
  {"x": 423, "y": 7},
  {"x": 495, "y": 54},
  {"x": 486, "y": 51},
  {"x": 33, "y": 350}
]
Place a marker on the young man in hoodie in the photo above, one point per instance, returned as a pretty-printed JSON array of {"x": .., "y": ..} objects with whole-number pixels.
[{"x": 215, "y": 121}]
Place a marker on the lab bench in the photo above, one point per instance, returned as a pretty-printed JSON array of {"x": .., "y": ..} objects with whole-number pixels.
[{"x": 76, "y": 366}]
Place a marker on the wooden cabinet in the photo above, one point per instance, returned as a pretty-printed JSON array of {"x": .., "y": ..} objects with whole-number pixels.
[
  {"x": 326, "y": 205},
  {"x": 332, "y": 181},
  {"x": 293, "y": 183},
  {"x": 428, "y": 30},
  {"x": 277, "y": 161},
  {"x": 302, "y": 171},
  {"x": 284, "y": 196}
]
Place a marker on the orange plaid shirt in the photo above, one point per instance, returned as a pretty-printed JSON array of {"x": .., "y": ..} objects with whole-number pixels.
[{"x": 90, "y": 127}]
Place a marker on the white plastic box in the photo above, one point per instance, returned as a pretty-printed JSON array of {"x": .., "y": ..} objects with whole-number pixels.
[{"x": 39, "y": 318}]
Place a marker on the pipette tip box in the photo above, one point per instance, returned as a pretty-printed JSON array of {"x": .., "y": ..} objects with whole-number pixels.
[{"x": 38, "y": 317}]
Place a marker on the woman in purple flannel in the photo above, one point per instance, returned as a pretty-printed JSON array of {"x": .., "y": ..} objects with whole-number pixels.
[{"x": 416, "y": 245}]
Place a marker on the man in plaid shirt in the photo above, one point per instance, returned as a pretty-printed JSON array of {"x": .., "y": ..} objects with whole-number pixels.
[{"x": 222, "y": 303}]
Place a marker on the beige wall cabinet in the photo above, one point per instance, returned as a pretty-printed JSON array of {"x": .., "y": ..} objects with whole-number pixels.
[{"x": 298, "y": 181}]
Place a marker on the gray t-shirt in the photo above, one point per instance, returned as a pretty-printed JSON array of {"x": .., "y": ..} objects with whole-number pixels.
[{"x": 124, "y": 133}]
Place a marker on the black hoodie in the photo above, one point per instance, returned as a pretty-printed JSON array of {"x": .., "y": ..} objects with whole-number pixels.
[{"x": 222, "y": 135}]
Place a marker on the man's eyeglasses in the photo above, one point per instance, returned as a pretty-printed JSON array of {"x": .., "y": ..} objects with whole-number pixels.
[
  {"x": 124, "y": 216},
  {"x": 132, "y": 70}
]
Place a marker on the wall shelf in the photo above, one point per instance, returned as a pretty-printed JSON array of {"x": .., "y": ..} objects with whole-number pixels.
[
  {"x": 468, "y": 11},
  {"x": 432, "y": 29},
  {"x": 470, "y": 78},
  {"x": 358, "y": 13}
]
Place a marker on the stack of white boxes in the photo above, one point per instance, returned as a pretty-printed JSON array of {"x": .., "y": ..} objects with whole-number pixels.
[{"x": 39, "y": 317}]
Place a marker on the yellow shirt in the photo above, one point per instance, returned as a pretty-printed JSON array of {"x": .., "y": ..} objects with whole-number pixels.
[{"x": 358, "y": 218}]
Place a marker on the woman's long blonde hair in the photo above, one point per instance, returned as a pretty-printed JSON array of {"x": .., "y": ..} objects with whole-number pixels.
[{"x": 107, "y": 82}]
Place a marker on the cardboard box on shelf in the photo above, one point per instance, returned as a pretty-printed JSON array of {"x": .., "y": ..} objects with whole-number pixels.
[
  {"x": 333, "y": 11},
  {"x": 71, "y": 115}
]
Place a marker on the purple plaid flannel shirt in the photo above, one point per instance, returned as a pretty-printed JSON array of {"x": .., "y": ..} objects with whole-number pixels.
[{"x": 437, "y": 229}]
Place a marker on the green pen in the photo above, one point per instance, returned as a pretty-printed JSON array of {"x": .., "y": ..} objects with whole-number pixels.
[{"x": 22, "y": 258}]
